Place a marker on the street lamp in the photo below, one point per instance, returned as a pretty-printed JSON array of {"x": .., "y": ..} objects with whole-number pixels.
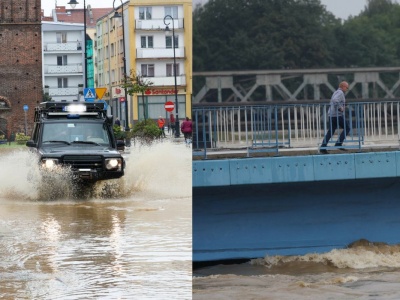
[
  {"x": 73, "y": 3},
  {"x": 177, "y": 133},
  {"x": 117, "y": 15}
]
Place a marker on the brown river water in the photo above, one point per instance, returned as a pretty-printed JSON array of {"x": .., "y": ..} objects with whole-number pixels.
[{"x": 132, "y": 243}]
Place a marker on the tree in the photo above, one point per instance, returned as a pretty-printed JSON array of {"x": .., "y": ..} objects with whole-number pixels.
[
  {"x": 372, "y": 38},
  {"x": 46, "y": 96},
  {"x": 137, "y": 84},
  {"x": 262, "y": 34}
]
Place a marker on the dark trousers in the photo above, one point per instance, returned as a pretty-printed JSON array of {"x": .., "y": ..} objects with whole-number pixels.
[{"x": 334, "y": 123}]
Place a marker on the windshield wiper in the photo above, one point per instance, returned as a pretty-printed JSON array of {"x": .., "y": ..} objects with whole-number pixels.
[
  {"x": 86, "y": 142},
  {"x": 56, "y": 141}
]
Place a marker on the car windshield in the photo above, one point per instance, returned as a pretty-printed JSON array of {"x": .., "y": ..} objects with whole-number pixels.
[{"x": 94, "y": 133}]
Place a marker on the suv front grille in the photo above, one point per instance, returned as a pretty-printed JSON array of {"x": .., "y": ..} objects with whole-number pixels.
[{"x": 83, "y": 161}]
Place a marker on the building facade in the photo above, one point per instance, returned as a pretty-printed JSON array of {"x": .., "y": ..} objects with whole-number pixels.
[
  {"x": 20, "y": 64},
  {"x": 63, "y": 60},
  {"x": 149, "y": 54}
]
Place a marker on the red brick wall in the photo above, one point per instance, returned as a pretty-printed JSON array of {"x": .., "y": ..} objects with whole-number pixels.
[{"x": 20, "y": 61}]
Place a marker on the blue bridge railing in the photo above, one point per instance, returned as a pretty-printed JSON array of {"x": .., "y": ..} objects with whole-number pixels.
[{"x": 273, "y": 127}]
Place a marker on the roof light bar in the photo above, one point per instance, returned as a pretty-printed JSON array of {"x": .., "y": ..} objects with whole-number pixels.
[{"x": 75, "y": 108}]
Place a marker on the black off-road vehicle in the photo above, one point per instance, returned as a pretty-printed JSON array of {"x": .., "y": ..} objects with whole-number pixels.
[{"x": 77, "y": 136}]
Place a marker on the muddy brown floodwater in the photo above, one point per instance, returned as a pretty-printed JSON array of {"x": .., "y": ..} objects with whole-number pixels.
[{"x": 135, "y": 244}]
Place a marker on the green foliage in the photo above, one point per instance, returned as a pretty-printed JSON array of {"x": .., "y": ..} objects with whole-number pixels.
[
  {"x": 118, "y": 132},
  {"x": 2, "y": 136},
  {"x": 46, "y": 96},
  {"x": 21, "y": 138},
  {"x": 292, "y": 34},
  {"x": 137, "y": 84},
  {"x": 146, "y": 130},
  {"x": 267, "y": 34}
]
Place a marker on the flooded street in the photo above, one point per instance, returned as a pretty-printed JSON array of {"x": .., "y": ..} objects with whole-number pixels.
[{"x": 134, "y": 245}]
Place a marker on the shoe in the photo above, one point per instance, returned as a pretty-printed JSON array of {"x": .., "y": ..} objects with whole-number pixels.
[{"x": 323, "y": 151}]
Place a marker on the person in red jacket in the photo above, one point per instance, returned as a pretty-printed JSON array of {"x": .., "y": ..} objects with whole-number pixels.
[
  {"x": 186, "y": 128},
  {"x": 161, "y": 124},
  {"x": 171, "y": 123}
]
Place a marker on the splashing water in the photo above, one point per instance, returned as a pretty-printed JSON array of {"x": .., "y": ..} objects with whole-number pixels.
[
  {"x": 158, "y": 169},
  {"x": 361, "y": 254}
]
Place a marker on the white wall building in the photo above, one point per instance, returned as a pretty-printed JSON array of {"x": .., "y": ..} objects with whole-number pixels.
[{"x": 63, "y": 57}]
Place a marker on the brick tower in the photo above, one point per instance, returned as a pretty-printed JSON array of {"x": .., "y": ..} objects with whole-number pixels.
[{"x": 20, "y": 64}]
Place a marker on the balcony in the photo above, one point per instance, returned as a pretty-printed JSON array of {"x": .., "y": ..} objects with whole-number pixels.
[
  {"x": 63, "y": 91},
  {"x": 157, "y": 24},
  {"x": 61, "y": 47},
  {"x": 167, "y": 80},
  {"x": 68, "y": 69},
  {"x": 160, "y": 52}
]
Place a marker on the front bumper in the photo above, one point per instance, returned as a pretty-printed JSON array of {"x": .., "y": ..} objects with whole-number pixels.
[{"x": 88, "y": 167}]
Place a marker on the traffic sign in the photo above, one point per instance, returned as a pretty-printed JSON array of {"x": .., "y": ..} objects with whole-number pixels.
[
  {"x": 105, "y": 104},
  {"x": 26, "y": 107},
  {"x": 89, "y": 94},
  {"x": 169, "y": 106},
  {"x": 100, "y": 92}
]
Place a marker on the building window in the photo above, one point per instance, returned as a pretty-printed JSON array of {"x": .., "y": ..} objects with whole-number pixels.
[
  {"x": 144, "y": 13},
  {"x": 170, "y": 70},
  {"x": 61, "y": 37},
  {"x": 112, "y": 75},
  {"x": 112, "y": 49},
  {"x": 101, "y": 79},
  {"x": 146, "y": 41},
  {"x": 62, "y": 82},
  {"x": 147, "y": 70},
  {"x": 172, "y": 11},
  {"x": 62, "y": 60},
  {"x": 121, "y": 46},
  {"x": 168, "y": 41}
]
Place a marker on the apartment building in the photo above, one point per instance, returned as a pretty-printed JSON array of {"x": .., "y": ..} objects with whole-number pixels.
[
  {"x": 149, "y": 54},
  {"x": 65, "y": 70},
  {"x": 63, "y": 60}
]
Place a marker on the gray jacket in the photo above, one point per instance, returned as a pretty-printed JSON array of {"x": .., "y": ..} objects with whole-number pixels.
[{"x": 337, "y": 104}]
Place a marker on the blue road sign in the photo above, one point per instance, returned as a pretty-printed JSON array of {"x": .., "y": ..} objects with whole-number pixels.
[
  {"x": 89, "y": 94},
  {"x": 26, "y": 107},
  {"x": 105, "y": 104}
]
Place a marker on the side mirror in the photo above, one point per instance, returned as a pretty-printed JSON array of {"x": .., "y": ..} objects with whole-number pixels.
[{"x": 30, "y": 143}]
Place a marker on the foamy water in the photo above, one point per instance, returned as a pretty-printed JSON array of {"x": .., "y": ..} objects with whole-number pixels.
[
  {"x": 163, "y": 168},
  {"x": 365, "y": 270}
]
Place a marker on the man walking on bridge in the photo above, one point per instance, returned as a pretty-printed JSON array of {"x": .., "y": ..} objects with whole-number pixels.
[{"x": 337, "y": 117}]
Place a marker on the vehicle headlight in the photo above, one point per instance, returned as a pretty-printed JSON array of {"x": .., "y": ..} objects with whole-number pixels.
[
  {"x": 49, "y": 163},
  {"x": 113, "y": 164}
]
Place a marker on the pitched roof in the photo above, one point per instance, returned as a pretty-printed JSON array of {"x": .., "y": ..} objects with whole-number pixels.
[{"x": 62, "y": 14}]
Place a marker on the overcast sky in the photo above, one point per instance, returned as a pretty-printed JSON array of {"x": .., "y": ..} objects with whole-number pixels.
[
  {"x": 49, "y": 5},
  {"x": 344, "y": 8}
]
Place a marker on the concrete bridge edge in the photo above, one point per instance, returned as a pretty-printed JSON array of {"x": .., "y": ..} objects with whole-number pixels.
[{"x": 348, "y": 166}]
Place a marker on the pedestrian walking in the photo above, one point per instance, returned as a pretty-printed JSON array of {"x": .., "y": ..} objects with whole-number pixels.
[
  {"x": 172, "y": 123},
  {"x": 161, "y": 124},
  {"x": 186, "y": 128},
  {"x": 337, "y": 119}
]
